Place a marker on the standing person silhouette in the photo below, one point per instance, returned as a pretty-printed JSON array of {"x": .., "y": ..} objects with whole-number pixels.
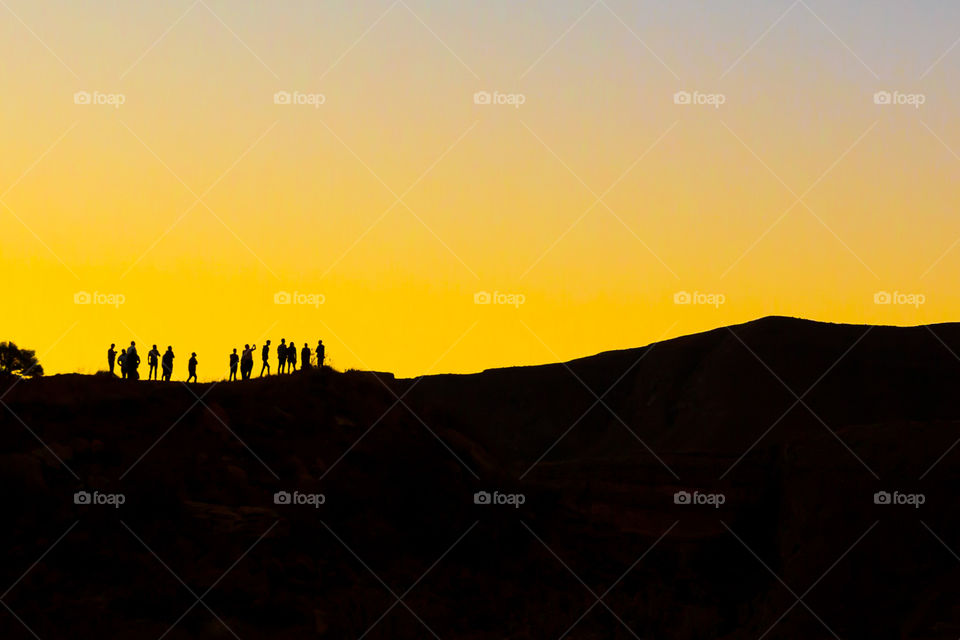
[
  {"x": 122, "y": 361},
  {"x": 246, "y": 362},
  {"x": 321, "y": 354},
  {"x": 282, "y": 356},
  {"x": 291, "y": 357},
  {"x": 305, "y": 357},
  {"x": 234, "y": 361},
  {"x": 168, "y": 364},
  {"x": 111, "y": 357},
  {"x": 192, "y": 367},
  {"x": 266, "y": 359},
  {"x": 153, "y": 359},
  {"x": 132, "y": 361}
]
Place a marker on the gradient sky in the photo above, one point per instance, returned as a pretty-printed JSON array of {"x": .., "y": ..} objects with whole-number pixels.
[{"x": 400, "y": 198}]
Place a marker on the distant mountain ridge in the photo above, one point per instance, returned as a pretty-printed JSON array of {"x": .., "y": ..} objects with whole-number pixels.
[{"x": 719, "y": 390}]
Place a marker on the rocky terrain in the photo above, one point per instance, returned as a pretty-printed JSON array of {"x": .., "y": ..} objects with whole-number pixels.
[{"x": 720, "y": 485}]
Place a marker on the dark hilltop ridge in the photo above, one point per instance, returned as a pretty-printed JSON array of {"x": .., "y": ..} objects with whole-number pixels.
[{"x": 779, "y": 479}]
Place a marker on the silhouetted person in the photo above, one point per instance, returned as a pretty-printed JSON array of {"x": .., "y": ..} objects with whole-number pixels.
[
  {"x": 246, "y": 362},
  {"x": 321, "y": 354},
  {"x": 132, "y": 361},
  {"x": 305, "y": 357},
  {"x": 122, "y": 361},
  {"x": 111, "y": 357},
  {"x": 192, "y": 367},
  {"x": 153, "y": 359},
  {"x": 291, "y": 357},
  {"x": 167, "y": 363},
  {"x": 266, "y": 359},
  {"x": 282, "y": 356},
  {"x": 234, "y": 361}
]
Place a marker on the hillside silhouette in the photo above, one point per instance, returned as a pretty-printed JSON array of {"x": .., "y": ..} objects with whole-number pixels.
[{"x": 798, "y": 426}]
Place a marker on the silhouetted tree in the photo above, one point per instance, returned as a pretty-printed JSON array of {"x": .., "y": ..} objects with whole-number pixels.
[{"x": 19, "y": 362}]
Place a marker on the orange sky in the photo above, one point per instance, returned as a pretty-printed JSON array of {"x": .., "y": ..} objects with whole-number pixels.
[{"x": 397, "y": 200}]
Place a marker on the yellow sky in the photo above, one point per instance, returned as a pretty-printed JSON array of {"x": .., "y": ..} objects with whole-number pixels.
[{"x": 399, "y": 198}]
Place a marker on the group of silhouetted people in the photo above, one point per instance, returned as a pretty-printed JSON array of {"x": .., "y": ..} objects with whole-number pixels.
[
  {"x": 286, "y": 359},
  {"x": 129, "y": 361}
]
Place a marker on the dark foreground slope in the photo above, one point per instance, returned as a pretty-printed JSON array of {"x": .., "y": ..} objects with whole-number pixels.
[{"x": 793, "y": 425}]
